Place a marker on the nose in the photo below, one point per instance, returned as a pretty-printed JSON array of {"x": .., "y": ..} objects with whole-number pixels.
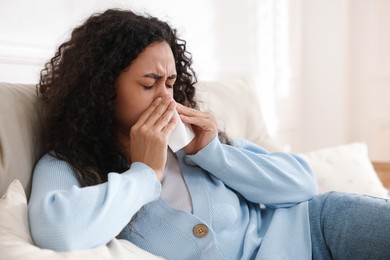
[{"x": 162, "y": 90}]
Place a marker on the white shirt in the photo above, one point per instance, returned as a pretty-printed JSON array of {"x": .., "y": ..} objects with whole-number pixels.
[{"x": 174, "y": 189}]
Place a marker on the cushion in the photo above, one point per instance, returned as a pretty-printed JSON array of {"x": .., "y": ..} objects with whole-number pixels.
[
  {"x": 19, "y": 134},
  {"x": 16, "y": 242},
  {"x": 235, "y": 104},
  {"x": 345, "y": 168}
]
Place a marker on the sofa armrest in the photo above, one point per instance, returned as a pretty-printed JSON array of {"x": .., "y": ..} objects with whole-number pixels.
[{"x": 383, "y": 171}]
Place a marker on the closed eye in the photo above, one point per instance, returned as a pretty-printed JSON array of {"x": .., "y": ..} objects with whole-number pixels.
[{"x": 148, "y": 87}]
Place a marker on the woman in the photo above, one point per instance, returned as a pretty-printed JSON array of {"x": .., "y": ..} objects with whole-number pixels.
[{"x": 109, "y": 96}]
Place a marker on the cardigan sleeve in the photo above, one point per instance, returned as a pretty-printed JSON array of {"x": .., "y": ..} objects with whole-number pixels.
[
  {"x": 64, "y": 216},
  {"x": 275, "y": 179}
]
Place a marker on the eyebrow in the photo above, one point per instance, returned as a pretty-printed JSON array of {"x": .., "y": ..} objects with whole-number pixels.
[{"x": 158, "y": 77}]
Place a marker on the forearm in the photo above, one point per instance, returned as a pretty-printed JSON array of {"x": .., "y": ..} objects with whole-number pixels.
[
  {"x": 70, "y": 217},
  {"x": 277, "y": 179}
]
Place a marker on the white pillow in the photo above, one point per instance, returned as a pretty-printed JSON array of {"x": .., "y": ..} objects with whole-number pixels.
[
  {"x": 345, "y": 168},
  {"x": 235, "y": 105},
  {"x": 16, "y": 242}
]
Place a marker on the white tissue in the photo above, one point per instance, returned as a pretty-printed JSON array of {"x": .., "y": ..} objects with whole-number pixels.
[{"x": 181, "y": 135}]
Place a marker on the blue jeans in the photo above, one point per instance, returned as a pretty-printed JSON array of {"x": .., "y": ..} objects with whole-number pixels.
[{"x": 347, "y": 226}]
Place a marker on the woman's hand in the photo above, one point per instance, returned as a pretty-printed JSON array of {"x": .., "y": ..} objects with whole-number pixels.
[
  {"x": 149, "y": 135},
  {"x": 203, "y": 124}
]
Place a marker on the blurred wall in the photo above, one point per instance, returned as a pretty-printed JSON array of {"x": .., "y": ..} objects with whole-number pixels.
[
  {"x": 346, "y": 74},
  {"x": 216, "y": 32}
]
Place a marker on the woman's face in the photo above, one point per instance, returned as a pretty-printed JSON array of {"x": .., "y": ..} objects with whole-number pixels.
[{"x": 149, "y": 76}]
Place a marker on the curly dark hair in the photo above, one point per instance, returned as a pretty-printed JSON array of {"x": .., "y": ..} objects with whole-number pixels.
[{"x": 77, "y": 90}]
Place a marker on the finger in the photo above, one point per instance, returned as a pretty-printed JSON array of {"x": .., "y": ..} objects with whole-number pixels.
[
  {"x": 203, "y": 121},
  {"x": 193, "y": 113},
  {"x": 186, "y": 110},
  {"x": 166, "y": 117},
  {"x": 144, "y": 116},
  {"x": 154, "y": 115},
  {"x": 167, "y": 130}
]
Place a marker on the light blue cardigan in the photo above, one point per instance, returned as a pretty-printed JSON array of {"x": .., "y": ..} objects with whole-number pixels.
[{"x": 226, "y": 184}]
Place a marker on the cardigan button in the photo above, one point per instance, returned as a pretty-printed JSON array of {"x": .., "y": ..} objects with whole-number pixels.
[{"x": 200, "y": 230}]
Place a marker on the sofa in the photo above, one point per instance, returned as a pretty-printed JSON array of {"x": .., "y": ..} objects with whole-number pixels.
[{"x": 233, "y": 101}]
